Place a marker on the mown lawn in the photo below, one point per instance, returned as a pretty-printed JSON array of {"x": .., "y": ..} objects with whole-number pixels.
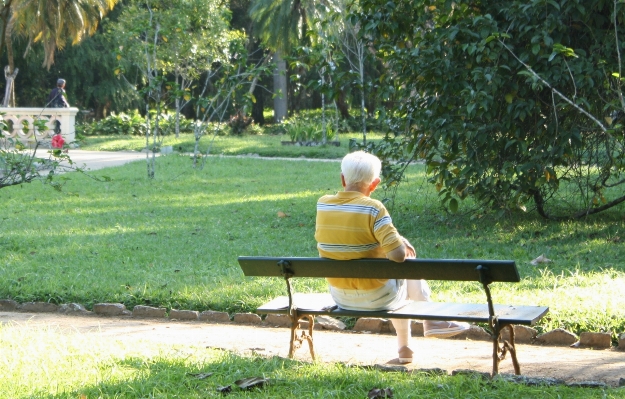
[
  {"x": 47, "y": 364},
  {"x": 173, "y": 241}
]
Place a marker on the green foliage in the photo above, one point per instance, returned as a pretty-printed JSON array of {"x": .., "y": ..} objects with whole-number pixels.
[
  {"x": 239, "y": 123},
  {"x": 308, "y": 129},
  {"x": 132, "y": 124},
  {"x": 124, "y": 124},
  {"x": 508, "y": 101}
]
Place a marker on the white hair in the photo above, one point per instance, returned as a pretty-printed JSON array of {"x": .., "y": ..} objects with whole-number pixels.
[{"x": 360, "y": 168}]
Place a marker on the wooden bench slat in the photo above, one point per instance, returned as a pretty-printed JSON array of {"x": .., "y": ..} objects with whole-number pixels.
[
  {"x": 413, "y": 269},
  {"x": 318, "y": 304}
]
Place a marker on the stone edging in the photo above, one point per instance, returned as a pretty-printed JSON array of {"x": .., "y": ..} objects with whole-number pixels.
[{"x": 523, "y": 334}]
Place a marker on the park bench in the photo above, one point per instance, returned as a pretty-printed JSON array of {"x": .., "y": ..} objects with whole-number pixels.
[{"x": 301, "y": 307}]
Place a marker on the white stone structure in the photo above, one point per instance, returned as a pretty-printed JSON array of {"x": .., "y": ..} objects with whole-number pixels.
[{"x": 20, "y": 123}]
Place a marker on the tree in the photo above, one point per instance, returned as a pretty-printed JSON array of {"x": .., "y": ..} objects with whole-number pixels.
[
  {"x": 178, "y": 39},
  {"x": 197, "y": 39},
  {"x": 50, "y": 22},
  {"x": 344, "y": 58},
  {"x": 513, "y": 103},
  {"x": 281, "y": 25}
]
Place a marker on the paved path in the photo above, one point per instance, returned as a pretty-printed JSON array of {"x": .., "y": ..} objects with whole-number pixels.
[
  {"x": 94, "y": 160},
  {"x": 568, "y": 364}
]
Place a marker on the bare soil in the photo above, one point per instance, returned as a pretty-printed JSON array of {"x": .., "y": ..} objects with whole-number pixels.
[{"x": 563, "y": 363}]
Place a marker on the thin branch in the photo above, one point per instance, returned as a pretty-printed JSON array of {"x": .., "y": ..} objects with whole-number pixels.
[
  {"x": 554, "y": 90},
  {"x": 618, "y": 52}
]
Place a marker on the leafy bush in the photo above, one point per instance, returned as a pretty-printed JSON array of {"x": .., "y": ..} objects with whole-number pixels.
[
  {"x": 238, "y": 123},
  {"x": 254, "y": 129},
  {"x": 306, "y": 129},
  {"x": 132, "y": 124},
  {"x": 122, "y": 124},
  {"x": 516, "y": 104}
]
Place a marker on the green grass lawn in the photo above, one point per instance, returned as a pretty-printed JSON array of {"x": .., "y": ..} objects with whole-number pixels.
[
  {"x": 54, "y": 365},
  {"x": 173, "y": 241},
  {"x": 269, "y": 145}
]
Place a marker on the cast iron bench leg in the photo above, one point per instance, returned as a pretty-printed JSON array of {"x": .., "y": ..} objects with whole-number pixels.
[
  {"x": 499, "y": 352},
  {"x": 296, "y": 342}
]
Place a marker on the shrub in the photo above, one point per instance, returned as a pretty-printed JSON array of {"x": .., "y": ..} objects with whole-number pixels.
[
  {"x": 238, "y": 123},
  {"x": 306, "y": 129},
  {"x": 132, "y": 124}
]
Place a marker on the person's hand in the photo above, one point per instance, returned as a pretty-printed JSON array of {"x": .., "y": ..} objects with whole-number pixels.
[{"x": 411, "y": 253}]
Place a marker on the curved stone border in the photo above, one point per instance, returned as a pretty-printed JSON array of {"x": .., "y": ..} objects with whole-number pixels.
[{"x": 523, "y": 334}]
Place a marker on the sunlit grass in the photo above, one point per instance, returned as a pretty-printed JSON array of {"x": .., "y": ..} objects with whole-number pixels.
[
  {"x": 173, "y": 241},
  {"x": 47, "y": 363},
  {"x": 262, "y": 145}
]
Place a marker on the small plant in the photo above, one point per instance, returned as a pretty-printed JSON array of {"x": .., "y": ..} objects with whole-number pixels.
[
  {"x": 238, "y": 123},
  {"x": 254, "y": 129},
  {"x": 305, "y": 130}
]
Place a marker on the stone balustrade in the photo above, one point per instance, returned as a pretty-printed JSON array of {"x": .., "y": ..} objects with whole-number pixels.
[{"x": 20, "y": 123}]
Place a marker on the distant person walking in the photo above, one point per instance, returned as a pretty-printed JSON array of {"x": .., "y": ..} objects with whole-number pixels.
[{"x": 57, "y": 99}]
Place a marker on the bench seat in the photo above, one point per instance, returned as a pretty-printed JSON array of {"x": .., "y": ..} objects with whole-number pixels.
[{"x": 323, "y": 304}]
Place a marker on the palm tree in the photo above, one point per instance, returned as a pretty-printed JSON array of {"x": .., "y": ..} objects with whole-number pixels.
[
  {"x": 53, "y": 23},
  {"x": 281, "y": 25}
]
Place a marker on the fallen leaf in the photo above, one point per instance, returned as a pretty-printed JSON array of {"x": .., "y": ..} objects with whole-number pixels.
[
  {"x": 377, "y": 393},
  {"x": 283, "y": 215},
  {"x": 200, "y": 376},
  {"x": 252, "y": 382},
  {"x": 540, "y": 259},
  {"x": 224, "y": 390}
]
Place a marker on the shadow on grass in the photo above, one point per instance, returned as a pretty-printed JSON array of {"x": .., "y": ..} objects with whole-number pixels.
[{"x": 136, "y": 377}]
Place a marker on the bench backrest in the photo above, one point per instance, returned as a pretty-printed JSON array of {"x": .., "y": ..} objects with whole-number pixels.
[{"x": 413, "y": 269}]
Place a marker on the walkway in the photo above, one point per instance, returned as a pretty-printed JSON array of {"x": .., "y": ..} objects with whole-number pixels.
[{"x": 564, "y": 363}]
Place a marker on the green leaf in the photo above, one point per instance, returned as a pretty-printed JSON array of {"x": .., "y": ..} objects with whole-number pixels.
[
  {"x": 453, "y": 205},
  {"x": 536, "y": 49}
]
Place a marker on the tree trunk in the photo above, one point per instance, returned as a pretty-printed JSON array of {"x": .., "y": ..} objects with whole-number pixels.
[
  {"x": 279, "y": 89},
  {"x": 342, "y": 105},
  {"x": 10, "y": 72},
  {"x": 259, "y": 106}
]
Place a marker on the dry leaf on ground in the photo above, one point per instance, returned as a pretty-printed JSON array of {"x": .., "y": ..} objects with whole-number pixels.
[
  {"x": 377, "y": 393},
  {"x": 200, "y": 376},
  {"x": 540, "y": 259},
  {"x": 252, "y": 382}
]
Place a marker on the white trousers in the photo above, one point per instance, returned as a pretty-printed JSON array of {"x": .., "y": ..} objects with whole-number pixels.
[{"x": 390, "y": 296}]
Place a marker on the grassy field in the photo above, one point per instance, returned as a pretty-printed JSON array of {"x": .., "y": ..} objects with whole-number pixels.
[
  {"x": 269, "y": 145},
  {"x": 173, "y": 241},
  {"x": 56, "y": 366}
]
